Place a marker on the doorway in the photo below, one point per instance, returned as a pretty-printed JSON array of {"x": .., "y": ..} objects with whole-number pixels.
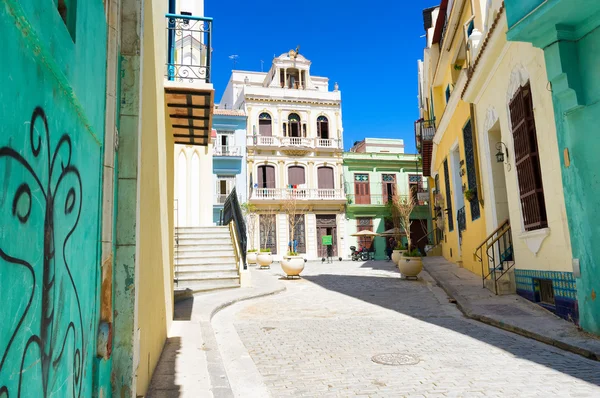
[
  {"x": 326, "y": 225},
  {"x": 459, "y": 199},
  {"x": 498, "y": 178}
]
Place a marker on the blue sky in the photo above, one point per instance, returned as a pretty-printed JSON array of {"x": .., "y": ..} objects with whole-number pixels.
[{"x": 369, "y": 47}]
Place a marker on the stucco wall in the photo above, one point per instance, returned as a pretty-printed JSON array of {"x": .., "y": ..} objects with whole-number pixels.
[
  {"x": 521, "y": 63},
  {"x": 155, "y": 304},
  {"x": 52, "y": 109}
]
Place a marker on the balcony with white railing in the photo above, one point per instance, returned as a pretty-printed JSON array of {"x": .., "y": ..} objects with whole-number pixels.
[
  {"x": 297, "y": 193},
  {"x": 294, "y": 142},
  {"x": 227, "y": 150}
]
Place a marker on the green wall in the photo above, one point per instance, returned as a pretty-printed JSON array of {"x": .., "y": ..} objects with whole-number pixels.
[
  {"x": 52, "y": 111},
  {"x": 569, "y": 34}
]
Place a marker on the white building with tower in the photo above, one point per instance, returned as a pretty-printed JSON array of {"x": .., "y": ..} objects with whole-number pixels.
[{"x": 294, "y": 152}]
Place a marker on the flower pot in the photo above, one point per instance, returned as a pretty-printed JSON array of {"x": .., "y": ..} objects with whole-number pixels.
[
  {"x": 251, "y": 257},
  {"x": 292, "y": 265},
  {"x": 410, "y": 266},
  {"x": 397, "y": 255},
  {"x": 264, "y": 259}
]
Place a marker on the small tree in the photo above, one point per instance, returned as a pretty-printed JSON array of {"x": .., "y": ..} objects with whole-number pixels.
[
  {"x": 402, "y": 208},
  {"x": 249, "y": 212},
  {"x": 267, "y": 226},
  {"x": 294, "y": 212}
]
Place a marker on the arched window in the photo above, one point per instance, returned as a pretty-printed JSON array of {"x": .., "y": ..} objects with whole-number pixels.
[
  {"x": 322, "y": 127},
  {"x": 294, "y": 125},
  {"x": 264, "y": 125},
  {"x": 296, "y": 176},
  {"x": 266, "y": 176}
]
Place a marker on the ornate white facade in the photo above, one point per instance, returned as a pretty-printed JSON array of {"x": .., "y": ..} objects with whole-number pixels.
[{"x": 294, "y": 150}]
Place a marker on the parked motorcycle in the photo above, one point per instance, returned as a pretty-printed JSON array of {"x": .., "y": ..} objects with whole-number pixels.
[{"x": 360, "y": 254}]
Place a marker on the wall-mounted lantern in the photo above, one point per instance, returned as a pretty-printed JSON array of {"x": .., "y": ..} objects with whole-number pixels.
[{"x": 502, "y": 154}]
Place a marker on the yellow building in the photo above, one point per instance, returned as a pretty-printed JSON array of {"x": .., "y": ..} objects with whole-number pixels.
[
  {"x": 509, "y": 90},
  {"x": 446, "y": 132}
]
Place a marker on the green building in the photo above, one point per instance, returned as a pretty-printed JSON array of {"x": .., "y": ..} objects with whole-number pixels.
[
  {"x": 375, "y": 169},
  {"x": 569, "y": 33}
]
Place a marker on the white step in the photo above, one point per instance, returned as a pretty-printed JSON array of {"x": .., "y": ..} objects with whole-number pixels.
[
  {"x": 214, "y": 235},
  {"x": 205, "y": 241},
  {"x": 204, "y": 254},
  {"x": 201, "y": 229},
  {"x": 205, "y": 267},
  {"x": 206, "y": 260},
  {"x": 206, "y": 284},
  {"x": 188, "y": 274}
]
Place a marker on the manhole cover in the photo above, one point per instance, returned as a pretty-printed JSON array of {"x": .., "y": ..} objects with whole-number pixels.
[{"x": 396, "y": 359}]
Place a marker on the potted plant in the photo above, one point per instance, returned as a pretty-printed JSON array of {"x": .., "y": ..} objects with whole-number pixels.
[
  {"x": 470, "y": 194},
  {"x": 251, "y": 216},
  {"x": 292, "y": 264},
  {"x": 401, "y": 209},
  {"x": 411, "y": 264},
  {"x": 264, "y": 257}
]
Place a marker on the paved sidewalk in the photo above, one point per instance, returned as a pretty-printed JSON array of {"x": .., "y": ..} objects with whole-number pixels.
[
  {"x": 191, "y": 364},
  {"x": 510, "y": 312}
]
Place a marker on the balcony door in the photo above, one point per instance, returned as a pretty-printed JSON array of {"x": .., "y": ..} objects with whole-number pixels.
[
  {"x": 266, "y": 176},
  {"x": 388, "y": 183},
  {"x": 325, "y": 180},
  {"x": 362, "y": 191},
  {"x": 294, "y": 125},
  {"x": 265, "y": 127}
]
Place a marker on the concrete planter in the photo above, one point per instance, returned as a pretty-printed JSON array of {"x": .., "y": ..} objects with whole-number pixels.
[
  {"x": 397, "y": 255},
  {"x": 251, "y": 257},
  {"x": 292, "y": 265},
  {"x": 410, "y": 267},
  {"x": 264, "y": 259}
]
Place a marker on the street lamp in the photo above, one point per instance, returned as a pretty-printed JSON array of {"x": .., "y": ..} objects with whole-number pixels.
[{"x": 501, "y": 156}]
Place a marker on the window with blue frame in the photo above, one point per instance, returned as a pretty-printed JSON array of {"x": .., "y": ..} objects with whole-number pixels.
[
  {"x": 448, "y": 92},
  {"x": 471, "y": 171},
  {"x": 470, "y": 28}
]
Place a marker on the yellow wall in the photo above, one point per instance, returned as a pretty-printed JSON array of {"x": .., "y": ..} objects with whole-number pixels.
[
  {"x": 155, "y": 303},
  {"x": 475, "y": 231},
  {"x": 511, "y": 64},
  {"x": 450, "y": 123}
]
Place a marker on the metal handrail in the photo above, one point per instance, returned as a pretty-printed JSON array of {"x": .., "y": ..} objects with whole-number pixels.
[
  {"x": 495, "y": 269},
  {"x": 232, "y": 211}
]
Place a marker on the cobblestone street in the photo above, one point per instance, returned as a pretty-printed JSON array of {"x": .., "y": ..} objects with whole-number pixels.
[{"x": 318, "y": 338}]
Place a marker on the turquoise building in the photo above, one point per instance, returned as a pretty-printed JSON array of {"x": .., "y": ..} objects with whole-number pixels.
[{"x": 569, "y": 33}]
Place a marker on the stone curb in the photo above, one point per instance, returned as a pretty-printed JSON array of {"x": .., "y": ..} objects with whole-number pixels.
[
  {"x": 508, "y": 327},
  {"x": 220, "y": 385}
]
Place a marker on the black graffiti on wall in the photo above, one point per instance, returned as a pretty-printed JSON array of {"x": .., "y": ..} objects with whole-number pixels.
[{"x": 50, "y": 327}]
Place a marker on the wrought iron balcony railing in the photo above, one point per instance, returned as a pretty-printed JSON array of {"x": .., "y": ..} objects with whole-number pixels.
[
  {"x": 300, "y": 142},
  {"x": 297, "y": 193},
  {"x": 189, "y": 40},
  {"x": 227, "y": 150},
  {"x": 425, "y": 130}
]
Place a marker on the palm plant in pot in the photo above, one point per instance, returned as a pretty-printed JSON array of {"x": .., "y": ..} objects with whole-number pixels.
[
  {"x": 267, "y": 224},
  {"x": 251, "y": 218},
  {"x": 293, "y": 264},
  {"x": 411, "y": 264}
]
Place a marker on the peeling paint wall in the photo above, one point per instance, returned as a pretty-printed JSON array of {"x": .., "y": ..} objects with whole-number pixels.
[{"x": 51, "y": 137}]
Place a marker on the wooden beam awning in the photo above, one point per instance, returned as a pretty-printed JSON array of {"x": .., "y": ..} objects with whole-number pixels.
[{"x": 190, "y": 110}]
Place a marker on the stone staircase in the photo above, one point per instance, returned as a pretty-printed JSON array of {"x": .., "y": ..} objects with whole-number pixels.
[
  {"x": 204, "y": 260},
  {"x": 507, "y": 284}
]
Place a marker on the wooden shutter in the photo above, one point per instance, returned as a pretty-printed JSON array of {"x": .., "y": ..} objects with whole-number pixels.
[
  {"x": 296, "y": 175},
  {"x": 264, "y": 128},
  {"x": 270, "y": 176},
  {"x": 527, "y": 160},
  {"x": 325, "y": 177},
  {"x": 261, "y": 177}
]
